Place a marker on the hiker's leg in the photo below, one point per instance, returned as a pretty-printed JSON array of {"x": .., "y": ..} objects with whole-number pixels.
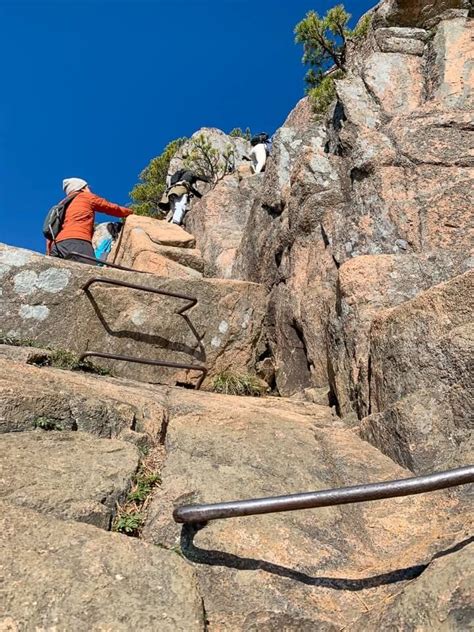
[
  {"x": 180, "y": 208},
  {"x": 261, "y": 156},
  {"x": 65, "y": 248}
]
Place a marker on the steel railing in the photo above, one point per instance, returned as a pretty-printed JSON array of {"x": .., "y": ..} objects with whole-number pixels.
[
  {"x": 190, "y": 302},
  {"x": 201, "y": 514}
]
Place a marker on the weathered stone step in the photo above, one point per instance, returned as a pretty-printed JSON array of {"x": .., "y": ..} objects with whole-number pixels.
[
  {"x": 157, "y": 247},
  {"x": 69, "y": 576},
  {"x": 70, "y": 475},
  {"x": 303, "y": 570}
]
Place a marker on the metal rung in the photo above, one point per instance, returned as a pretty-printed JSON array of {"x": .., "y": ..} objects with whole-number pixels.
[
  {"x": 201, "y": 514},
  {"x": 173, "y": 365},
  {"x": 191, "y": 302}
]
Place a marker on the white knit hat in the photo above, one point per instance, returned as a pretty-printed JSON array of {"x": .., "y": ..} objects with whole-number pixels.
[{"x": 70, "y": 185}]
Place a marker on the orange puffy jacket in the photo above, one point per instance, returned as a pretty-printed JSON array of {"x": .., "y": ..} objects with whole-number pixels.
[{"x": 79, "y": 220}]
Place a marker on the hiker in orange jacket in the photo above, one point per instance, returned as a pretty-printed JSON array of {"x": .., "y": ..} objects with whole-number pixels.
[{"x": 78, "y": 226}]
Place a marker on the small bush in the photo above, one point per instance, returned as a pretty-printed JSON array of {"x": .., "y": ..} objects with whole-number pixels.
[
  {"x": 45, "y": 423},
  {"x": 206, "y": 160},
  {"x": 238, "y": 133},
  {"x": 58, "y": 358},
  {"x": 147, "y": 193},
  {"x": 19, "y": 342},
  {"x": 230, "y": 383},
  {"x": 143, "y": 487},
  {"x": 324, "y": 93},
  {"x": 69, "y": 361},
  {"x": 128, "y": 523},
  {"x": 130, "y": 516}
]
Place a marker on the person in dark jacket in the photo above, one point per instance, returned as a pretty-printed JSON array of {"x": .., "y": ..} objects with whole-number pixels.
[{"x": 179, "y": 194}]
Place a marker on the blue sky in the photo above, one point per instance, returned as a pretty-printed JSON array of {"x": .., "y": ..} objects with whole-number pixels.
[{"x": 97, "y": 88}]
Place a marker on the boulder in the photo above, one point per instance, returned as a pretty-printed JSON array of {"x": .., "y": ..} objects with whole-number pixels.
[
  {"x": 160, "y": 232},
  {"x": 70, "y": 576},
  {"x": 217, "y": 221},
  {"x": 220, "y": 141},
  {"x": 440, "y": 599},
  {"x": 421, "y": 380},
  {"x": 312, "y": 569},
  {"x": 417, "y": 13},
  {"x": 366, "y": 286},
  {"x": 70, "y": 475},
  {"x": 43, "y": 299},
  {"x": 157, "y": 247}
]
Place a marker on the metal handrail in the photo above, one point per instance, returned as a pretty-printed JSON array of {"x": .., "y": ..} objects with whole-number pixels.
[
  {"x": 191, "y": 302},
  {"x": 173, "y": 365},
  {"x": 201, "y": 514},
  {"x": 69, "y": 255},
  {"x": 145, "y": 288}
]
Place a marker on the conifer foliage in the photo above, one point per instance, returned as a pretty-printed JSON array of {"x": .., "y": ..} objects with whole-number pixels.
[
  {"x": 148, "y": 192},
  {"x": 324, "y": 42}
]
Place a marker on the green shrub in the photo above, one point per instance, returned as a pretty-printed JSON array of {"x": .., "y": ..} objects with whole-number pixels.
[
  {"x": 143, "y": 487},
  {"x": 69, "y": 361},
  {"x": 19, "y": 342},
  {"x": 322, "y": 95},
  {"x": 128, "y": 523},
  {"x": 45, "y": 423},
  {"x": 148, "y": 192},
  {"x": 230, "y": 383},
  {"x": 238, "y": 133},
  {"x": 58, "y": 358},
  {"x": 206, "y": 160}
]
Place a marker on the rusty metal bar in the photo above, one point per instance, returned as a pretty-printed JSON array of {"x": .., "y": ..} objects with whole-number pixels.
[
  {"x": 173, "y": 365},
  {"x": 191, "y": 302},
  {"x": 100, "y": 262},
  {"x": 145, "y": 288},
  {"x": 200, "y": 514}
]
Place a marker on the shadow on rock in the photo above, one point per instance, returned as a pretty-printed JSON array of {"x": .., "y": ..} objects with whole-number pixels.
[
  {"x": 221, "y": 558},
  {"x": 153, "y": 339}
]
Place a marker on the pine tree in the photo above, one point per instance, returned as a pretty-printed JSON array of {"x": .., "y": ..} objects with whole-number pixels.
[
  {"x": 147, "y": 193},
  {"x": 324, "y": 42}
]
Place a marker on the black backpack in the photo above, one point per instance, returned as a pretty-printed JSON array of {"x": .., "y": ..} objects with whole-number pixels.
[
  {"x": 53, "y": 222},
  {"x": 182, "y": 174},
  {"x": 259, "y": 138}
]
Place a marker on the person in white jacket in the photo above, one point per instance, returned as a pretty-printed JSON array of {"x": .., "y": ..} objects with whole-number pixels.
[{"x": 259, "y": 152}]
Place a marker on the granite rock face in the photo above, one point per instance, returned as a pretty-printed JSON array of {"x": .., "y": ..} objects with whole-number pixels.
[
  {"x": 407, "y": 13},
  {"x": 441, "y": 599},
  {"x": 366, "y": 286},
  {"x": 43, "y": 299},
  {"x": 68, "y": 474},
  {"x": 70, "y": 576},
  {"x": 313, "y": 569},
  {"x": 217, "y": 220},
  {"x": 363, "y": 210},
  {"x": 422, "y": 380}
]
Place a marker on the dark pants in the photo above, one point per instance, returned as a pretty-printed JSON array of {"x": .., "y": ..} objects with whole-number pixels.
[{"x": 63, "y": 250}]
